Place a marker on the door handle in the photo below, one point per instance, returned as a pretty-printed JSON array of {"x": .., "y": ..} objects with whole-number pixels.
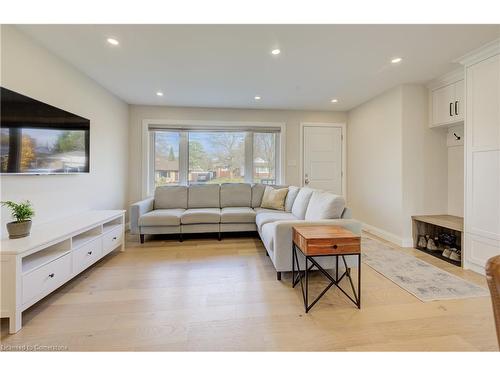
[
  {"x": 456, "y": 107},
  {"x": 451, "y": 110}
]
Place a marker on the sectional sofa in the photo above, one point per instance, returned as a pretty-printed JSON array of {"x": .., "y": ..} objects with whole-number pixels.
[{"x": 235, "y": 207}]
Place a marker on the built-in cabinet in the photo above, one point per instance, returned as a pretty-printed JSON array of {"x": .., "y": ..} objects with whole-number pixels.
[
  {"x": 482, "y": 156},
  {"x": 447, "y": 104}
]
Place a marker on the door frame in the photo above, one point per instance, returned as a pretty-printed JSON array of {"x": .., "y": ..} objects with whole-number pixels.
[{"x": 342, "y": 127}]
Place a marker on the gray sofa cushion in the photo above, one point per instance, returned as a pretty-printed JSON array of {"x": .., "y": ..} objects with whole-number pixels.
[
  {"x": 290, "y": 197},
  {"x": 201, "y": 216},
  {"x": 203, "y": 196},
  {"x": 299, "y": 206},
  {"x": 263, "y": 218},
  {"x": 237, "y": 215},
  {"x": 324, "y": 205},
  {"x": 171, "y": 197},
  {"x": 257, "y": 194},
  {"x": 235, "y": 195},
  {"x": 161, "y": 217}
]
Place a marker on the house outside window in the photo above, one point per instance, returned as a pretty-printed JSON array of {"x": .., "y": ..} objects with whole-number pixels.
[{"x": 192, "y": 156}]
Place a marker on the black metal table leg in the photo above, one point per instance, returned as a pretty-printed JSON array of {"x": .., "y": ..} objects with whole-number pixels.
[{"x": 333, "y": 281}]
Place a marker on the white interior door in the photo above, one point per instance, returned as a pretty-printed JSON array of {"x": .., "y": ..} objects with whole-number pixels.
[{"x": 322, "y": 158}]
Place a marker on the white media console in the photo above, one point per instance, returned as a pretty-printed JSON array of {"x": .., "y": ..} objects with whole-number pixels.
[{"x": 33, "y": 267}]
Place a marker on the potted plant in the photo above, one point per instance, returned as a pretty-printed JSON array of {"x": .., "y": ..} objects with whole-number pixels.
[{"x": 22, "y": 212}]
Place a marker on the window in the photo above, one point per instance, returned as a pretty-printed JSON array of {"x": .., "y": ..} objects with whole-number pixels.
[
  {"x": 192, "y": 156},
  {"x": 264, "y": 158},
  {"x": 216, "y": 157},
  {"x": 166, "y": 158}
]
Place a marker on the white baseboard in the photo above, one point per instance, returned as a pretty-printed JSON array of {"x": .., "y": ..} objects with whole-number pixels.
[
  {"x": 474, "y": 267},
  {"x": 388, "y": 236}
]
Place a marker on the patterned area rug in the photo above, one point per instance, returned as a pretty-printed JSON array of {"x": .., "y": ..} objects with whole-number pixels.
[{"x": 423, "y": 280}]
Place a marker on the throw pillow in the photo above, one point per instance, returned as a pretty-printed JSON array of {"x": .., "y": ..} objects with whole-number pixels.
[{"x": 274, "y": 198}]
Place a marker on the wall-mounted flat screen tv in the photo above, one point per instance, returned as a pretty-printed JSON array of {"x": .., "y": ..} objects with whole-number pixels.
[{"x": 37, "y": 138}]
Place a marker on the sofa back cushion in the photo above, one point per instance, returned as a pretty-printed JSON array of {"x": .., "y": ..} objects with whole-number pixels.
[
  {"x": 299, "y": 206},
  {"x": 324, "y": 205},
  {"x": 171, "y": 197},
  {"x": 204, "y": 196},
  {"x": 235, "y": 195},
  {"x": 290, "y": 197},
  {"x": 257, "y": 194}
]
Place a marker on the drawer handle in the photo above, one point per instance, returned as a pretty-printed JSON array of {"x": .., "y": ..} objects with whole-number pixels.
[
  {"x": 114, "y": 238},
  {"x": 89, "y": 253},
  {"x": 335, "y": 246},
  {"x": 52, "y": 275}
]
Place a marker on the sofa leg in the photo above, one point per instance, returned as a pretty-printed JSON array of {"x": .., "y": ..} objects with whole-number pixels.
[
  {"x": 220, "y": 236},
  {"x": 142, "y": 238},
  {"x": 278, "y": 276},
  {"x": 180, "y": 237}
]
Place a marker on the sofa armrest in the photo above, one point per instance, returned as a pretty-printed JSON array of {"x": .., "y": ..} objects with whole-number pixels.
[
  {"x": 283, "y": 235},
  {"x": 137, "y": 210}
]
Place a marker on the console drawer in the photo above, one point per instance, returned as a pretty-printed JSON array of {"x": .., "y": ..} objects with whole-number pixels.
[
  {"x": 112, "y": 239},
  {"x": 47, "y": 278},
  {"x": 86, "y": 255}
]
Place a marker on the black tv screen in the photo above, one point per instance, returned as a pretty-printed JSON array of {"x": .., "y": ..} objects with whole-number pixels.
[{"x": 37, "y": 138}]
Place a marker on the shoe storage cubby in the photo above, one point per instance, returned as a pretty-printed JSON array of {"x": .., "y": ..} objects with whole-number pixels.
[{"x": 434, "y": 226}]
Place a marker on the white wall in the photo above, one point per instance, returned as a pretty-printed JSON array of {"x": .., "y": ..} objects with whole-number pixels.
[
  {"x": 425, "y": 164},
  {"x": 29, "y": 69},
  {"x": 292, "y": 119},
  {"x": 374, "y": 162},
  {"x": 396, "y": 165}
]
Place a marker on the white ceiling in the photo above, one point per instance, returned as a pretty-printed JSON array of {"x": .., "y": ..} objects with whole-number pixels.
[{"x": 227, "y": 65}]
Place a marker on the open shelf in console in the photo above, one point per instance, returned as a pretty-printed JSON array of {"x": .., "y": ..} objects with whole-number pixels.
[
  {"x": 44, "y": 256},
  {"x": 112, "y": 224},
  {"x": 87, "y": 236}
]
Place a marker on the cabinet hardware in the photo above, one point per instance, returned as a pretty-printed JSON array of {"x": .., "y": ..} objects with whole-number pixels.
[
  {"x": 89, "y": 253},
  {"x": 114, "y": 238},
  {"x": 52, "y": 275},
  {"x": 335, "y": 246},
  {"x": 451, "y": 110},
  {"x": 456, "y": 107}
]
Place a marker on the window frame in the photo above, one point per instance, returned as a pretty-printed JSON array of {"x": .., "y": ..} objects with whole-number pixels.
[{"x": 184, "y": 126}]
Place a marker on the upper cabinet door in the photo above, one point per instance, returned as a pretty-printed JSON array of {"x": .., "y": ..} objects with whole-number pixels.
[
  {"x": 483, "y": 103},
  {"x": 459, "y": 103},
  {"x": 443, "y": 101}
]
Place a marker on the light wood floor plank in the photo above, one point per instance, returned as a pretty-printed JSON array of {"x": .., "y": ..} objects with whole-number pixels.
[{"x": 203, "y": 294}]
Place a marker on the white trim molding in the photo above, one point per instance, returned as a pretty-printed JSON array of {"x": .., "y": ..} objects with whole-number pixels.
[
  {"x": 388, "y": 236},
  {"x": 489, "y": 49},
  {"x": 341, "y": 125},
  {"x": 447, "y": 79},
  {"x": 201, "y": 124}
]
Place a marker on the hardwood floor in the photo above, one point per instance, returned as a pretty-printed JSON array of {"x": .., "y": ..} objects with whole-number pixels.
[{"x": 202, "y": 294}]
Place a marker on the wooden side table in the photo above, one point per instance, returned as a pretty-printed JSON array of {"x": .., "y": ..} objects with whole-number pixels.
[{"x": 324, "y": 241}]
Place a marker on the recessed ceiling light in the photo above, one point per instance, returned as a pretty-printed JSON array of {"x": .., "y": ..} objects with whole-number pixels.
[
  {"x": 276, "y": 51},
  {"x": 113, "y": 41},
  {"x": 257, "y": 97},
  {"x": 334, "y": 100},
  {"x": 396, "y": 60},
  {"x": 159, "y": 93}
]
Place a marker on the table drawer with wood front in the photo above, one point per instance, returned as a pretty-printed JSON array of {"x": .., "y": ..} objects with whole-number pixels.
[{"x": 319, "y": 246}]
